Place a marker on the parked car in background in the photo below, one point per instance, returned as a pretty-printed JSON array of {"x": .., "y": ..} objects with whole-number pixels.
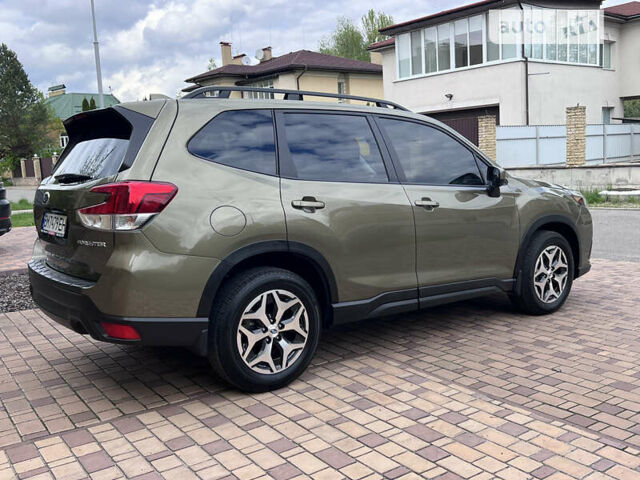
[
  {"x": 5, "y": 210},
  {"x": 241, "y": 227}
]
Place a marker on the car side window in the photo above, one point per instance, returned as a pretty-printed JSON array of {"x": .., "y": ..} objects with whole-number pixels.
[
  {"x": 332, "y": 148},
  {"x": 429, "y": 156},
  {"x": 238, "y": 138}
]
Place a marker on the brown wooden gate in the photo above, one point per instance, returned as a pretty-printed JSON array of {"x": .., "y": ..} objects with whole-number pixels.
[{"x": 465, "y": 122}]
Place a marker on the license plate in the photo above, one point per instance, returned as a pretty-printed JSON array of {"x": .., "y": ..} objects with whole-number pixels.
[{"x": 54, "y": 224}]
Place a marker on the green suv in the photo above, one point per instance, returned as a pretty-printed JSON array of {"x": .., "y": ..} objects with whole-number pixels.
[{"x": 240, "y": 228}]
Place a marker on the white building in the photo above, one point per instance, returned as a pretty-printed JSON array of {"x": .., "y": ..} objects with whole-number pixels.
[{"x": 523, "y": 63}]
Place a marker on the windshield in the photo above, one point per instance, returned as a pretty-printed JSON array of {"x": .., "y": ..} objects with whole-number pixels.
[{"x": 96, "y": 158}]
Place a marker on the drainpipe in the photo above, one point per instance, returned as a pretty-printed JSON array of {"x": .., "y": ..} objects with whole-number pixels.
[
  {"x": 300, "y": 75},
  {"x": 526, "y": 67}
]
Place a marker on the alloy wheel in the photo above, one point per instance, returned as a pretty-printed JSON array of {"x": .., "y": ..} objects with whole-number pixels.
[
  {"x": 272, "y": 332},
  {"x": 550, "y": 274}
]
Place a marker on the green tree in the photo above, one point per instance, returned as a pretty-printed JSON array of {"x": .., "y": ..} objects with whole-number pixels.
[
  {"x": 92, "y": 104},
  {"x": 24, "y": 117},
  {"x": 631, "y": 108},
  {"x": 372, "y": 22},
  {"x": 350, "y": 40},
  {"x": 212, "y": 64},
  {"x": 85, "y": 105}
]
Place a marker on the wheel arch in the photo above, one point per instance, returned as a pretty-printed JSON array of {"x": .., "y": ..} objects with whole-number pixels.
[
  {"x": 554, "y": 223},
  {"x": 296, "y": 257}
]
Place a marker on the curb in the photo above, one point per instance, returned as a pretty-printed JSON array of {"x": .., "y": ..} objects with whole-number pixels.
[{"x": 623, "y": 209}]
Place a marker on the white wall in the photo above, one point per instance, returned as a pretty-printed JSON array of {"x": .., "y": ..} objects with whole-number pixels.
[
  {"x": 554, "y": 87},
  {"x": 628, "y": 59}
]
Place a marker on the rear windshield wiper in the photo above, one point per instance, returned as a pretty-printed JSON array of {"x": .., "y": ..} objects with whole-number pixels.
[{"x": 72, "y": 177}]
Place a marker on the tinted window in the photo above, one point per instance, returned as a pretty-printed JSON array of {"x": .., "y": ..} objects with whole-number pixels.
[
  {"x": 97, "y": 158},
  {"x": 333, "y": 148},
  {"x": 428, "y": 155},
  {"x": 238, "y": 138}
]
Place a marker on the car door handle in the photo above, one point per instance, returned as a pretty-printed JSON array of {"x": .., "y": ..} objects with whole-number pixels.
[
  {"x": 308, "y": 204},
  {"x": 427, "y": 203}
]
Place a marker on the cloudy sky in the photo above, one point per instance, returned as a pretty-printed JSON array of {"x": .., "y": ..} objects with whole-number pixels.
[{"x": 152, "y": 46}]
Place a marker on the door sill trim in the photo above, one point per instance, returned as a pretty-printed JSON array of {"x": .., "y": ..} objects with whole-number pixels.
[{"x": 412, "y": 300}]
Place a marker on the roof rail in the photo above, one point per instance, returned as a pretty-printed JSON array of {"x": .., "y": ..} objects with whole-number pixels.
[{"x": 225, "y": 92}]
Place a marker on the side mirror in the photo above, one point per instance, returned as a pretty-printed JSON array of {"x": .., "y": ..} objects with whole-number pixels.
[{"x": 496, "y": 177}]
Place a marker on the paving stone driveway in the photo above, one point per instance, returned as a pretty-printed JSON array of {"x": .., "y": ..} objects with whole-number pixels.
[
  {"x": 472, "y": 390},
  {"x": 16, "y": 247}
]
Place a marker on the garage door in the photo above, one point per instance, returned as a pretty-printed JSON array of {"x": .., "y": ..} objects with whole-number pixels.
[{"x": 465, "y": 122}]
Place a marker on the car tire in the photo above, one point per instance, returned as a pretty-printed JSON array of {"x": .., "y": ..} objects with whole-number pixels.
[
  {"x": 546, "y": 275},
  {"x": 258, "y": 322}
]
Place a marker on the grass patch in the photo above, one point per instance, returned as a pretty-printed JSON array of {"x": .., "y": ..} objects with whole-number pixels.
[
  {"x": 22, "y": 220},
  {"x": 21, "y": 205},
  {"x": 592, "y": 197}
]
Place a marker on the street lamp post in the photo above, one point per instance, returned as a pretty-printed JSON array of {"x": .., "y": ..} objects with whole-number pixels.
[{"x": 96, "y": 49}]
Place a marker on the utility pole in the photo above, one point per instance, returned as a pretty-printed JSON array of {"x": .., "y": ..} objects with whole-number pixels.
[{"x": 96, "y": 49}]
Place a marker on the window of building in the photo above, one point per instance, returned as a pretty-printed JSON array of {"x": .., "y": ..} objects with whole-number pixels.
[
  {"x": 238, "y": 138},
  {"x": 342, "y": 87},
  {"x": 548, "y": 34},
  {"x": 461, "y": 43},
  {"x": 430, "y": 156},
  {"x": 403, "y": 51},
  {"x": 416, "y": 52},
  {"x": 430, "y": 50},
  {"x": 332, "y": 148},
  {"x": 444, "y": 47},
  {"x": 476, "y": 47},
  {"x": 605, "y": 57},
  {"x": 64, "y": 140},
  {"x": 260, "y": 95}
]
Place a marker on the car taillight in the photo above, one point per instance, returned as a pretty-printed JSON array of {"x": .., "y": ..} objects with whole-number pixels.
[{"x": 128, "y": 205}]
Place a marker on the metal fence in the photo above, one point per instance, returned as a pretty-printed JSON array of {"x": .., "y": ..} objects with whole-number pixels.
[{"x": 519, "y": 146}]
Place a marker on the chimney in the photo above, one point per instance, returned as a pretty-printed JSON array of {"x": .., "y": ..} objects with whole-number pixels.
[
  {"x": 237, "y": 60},
  {"x": 227, "y": 57},
  {"x": 375, "y": 57},
  {"x": 266, "y": 54}
]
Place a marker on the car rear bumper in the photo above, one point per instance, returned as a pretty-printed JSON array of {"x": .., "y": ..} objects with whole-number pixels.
[
  {"x": 63, "y": 298},
  {"x": 5, "y": 216}
]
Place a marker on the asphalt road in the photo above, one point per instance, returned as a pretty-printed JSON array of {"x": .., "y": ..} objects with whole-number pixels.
[{"x": 616, "y": 234}]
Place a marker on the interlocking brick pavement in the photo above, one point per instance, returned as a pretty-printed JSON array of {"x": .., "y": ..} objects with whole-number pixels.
[
  {"x": 472, "y": 390},
  {"x": 16, "y": 247}
]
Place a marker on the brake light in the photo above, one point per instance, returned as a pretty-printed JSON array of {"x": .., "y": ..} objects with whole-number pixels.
[
  {"x": 122, "y": 332},
  {"x": 128, "y": 205}
]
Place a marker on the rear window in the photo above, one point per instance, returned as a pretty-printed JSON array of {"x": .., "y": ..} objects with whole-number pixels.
[
  {"x": 238, "y": 138},
  {"x": 97, "y": 158},
  {"x": 102, "y": 143}
]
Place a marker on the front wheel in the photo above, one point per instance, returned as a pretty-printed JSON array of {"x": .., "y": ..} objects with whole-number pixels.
[
  {"x": 264, "y": 329},
  {"x": 546, "y": 275}
]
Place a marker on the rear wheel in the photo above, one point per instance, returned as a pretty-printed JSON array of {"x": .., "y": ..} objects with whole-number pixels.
[
  {"x": 264, "y": 329},
  {"x": 546, "y": 275}
]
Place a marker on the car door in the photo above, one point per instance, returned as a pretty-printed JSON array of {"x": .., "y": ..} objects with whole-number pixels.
[
  {"x": 341, "y": 198},
  {"x": 465, "y": 238}
]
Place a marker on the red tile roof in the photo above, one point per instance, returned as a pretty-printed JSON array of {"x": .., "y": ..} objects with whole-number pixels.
[
  {"x": 384, "y": 43},
  {"x": 291, "y": 61},
  {"x": 439, "y": 14},
  {"x": 631, "y": 9}
]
